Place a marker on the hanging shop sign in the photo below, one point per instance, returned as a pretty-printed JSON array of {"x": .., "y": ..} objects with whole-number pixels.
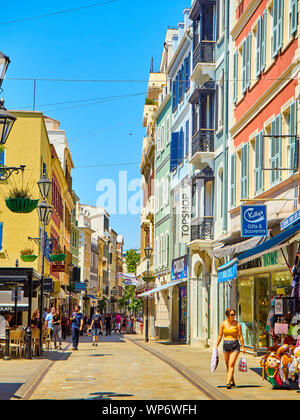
[
  {"x": 57, "y": 267},
  {"x": 79, "y": 287},
  {"x": 48, "y": 285},
  {"x": 293, "y": 218},
  {"x": 179, "y": 268},
  {"x": 227, "y": 272},
  {"x": 184, "y": 216},
  {"x": 254, "y": 221}
]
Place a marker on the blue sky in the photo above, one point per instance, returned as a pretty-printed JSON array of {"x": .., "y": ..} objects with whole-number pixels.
[{"x": 114, "y": 41}]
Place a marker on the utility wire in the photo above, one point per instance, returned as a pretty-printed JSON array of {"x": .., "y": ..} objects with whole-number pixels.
[{"x": 58, "y": 13}]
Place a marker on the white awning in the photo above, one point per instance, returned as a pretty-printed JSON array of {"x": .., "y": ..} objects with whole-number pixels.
[{"x": 163, "y": 287}]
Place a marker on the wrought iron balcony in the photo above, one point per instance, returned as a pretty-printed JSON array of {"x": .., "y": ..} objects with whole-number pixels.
[
  {"x": 204, "y": 230},
  {"x": 203, "y": 141},
  {"x": 204, "y": 53}
]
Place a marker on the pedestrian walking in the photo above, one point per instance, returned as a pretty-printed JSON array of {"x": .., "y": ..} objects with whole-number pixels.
[
  {"x": 35, "y": 319},
  {"x": 108, "y": 324},
  {"x": 96, "y": 327},
  {"x": 56, "y": 323},
  {"x": 123, "y": 329},
  {"x": 64, "y": 326},
  {"x": 232, "y": 332},
  {"x": 118, "y": 323},
  {"x": 49, "y": 319},
  {"x": 77, "y": 326}
]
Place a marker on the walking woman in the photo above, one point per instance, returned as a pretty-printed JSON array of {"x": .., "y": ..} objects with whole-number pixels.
[
  {"x": 56, "y": 322},
  {"x": 232, "y": 332}
]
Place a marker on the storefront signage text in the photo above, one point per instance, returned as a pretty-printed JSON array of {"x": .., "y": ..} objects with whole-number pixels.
[
  {"x": 295, "y": 217},
  {"x": 265, "y": 261},
  {"x": 254, "y": 221}
]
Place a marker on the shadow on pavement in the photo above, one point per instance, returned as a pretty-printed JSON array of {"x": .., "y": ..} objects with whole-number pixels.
[
  {"x": 7, "y": 390},
  {"x": 106, "y": 395}
]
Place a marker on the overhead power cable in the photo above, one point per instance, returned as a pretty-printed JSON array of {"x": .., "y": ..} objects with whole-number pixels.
[{"x": 58, "y": 12}]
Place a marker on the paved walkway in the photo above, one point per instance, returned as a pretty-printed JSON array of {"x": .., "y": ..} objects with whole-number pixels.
[{"x": 127, "y": 368}]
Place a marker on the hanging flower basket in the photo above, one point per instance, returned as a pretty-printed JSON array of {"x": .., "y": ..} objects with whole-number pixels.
[
  {"x": 21, "y": 205},
  {"x": 28, "y": 258},
  {"x": 58, "y": 257}
]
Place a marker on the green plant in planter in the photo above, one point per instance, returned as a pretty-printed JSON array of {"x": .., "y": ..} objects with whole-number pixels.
[
  {"x": 19, "y": 201},
  {"x": 27, "y": 255},
  {"x": 57, "y": 255}
]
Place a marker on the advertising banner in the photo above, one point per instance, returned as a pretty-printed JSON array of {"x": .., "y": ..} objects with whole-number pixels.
[{"x": 254, "y": 221}]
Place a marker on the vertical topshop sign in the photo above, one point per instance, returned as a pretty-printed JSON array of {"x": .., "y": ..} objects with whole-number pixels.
[{"x": 184, "y": 228}]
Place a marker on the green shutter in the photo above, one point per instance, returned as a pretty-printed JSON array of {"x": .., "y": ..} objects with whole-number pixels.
[
  {"x": 235, "y": 76},
  {"x": 293, "y": 16},
  {"x": 244, "y": 66},
  {"x": 263, "y": 40},
  {"x": 293, "y": 131},
  {"x": 258, "y": 46},
  {"x": 280, "y": 24},
  {"x": 249, "y": 46},
  {"x": 259, "y": 162},
  {"x": 233, "y": 181},
  {"x": 275, "y": 28}
]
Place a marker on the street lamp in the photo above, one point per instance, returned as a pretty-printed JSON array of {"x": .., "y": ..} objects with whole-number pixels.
[
  {"x": 85, "y": 297},
  {"x": 6, "y": 122},
  {"x": 44, "y": 185},
  {"x": 44, "y": 211},
  {"x": 148, "y": 253},
  {"x": 4, "y": 63},
  {"x": 71, "y": 267}
]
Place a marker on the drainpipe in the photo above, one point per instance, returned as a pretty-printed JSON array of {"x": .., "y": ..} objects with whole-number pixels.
[{"x": 225, "y": 136}]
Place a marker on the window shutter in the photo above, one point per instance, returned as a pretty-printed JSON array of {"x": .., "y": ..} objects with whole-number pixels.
[
  {"x": 174, "y": 151},
  {"x": 233, "y": 180},
  {"x": 275, "y": 28},
  {"x": 293, "y": 16},
  {"x": 162, "y": 138},
  {"x": 168, "y": 131},
  {"x": 187, "y": 137},
  {"x": 258, "y": 46},
  {"x": 235, "y": 76},
  {"x": 217, "y": 107},
  {"x": 181, "y": 146},
  {"x": 155, "y": 253},
  {"x": 280, "y": 17},
  {"x": 249, "y": 56},
  {"x": 1, "y": 235},
  {"x": 244, "y": 66},
  {"x": 263, "y": 40},
  {"x": 293, "y": 131},
  {"x": 188, "y": 72},
  {"x": 158, "y": 133},
  {"x": 262, "y": 159},
  {"x": 278, "y": 146},
  {"x": 167, "y": 249},
  {"x": 173, "y": 96}
]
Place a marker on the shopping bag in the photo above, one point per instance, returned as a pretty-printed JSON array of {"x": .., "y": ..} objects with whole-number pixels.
[
  {"x": 214, "y": 360},
  {"x": 243, "y": 364}
]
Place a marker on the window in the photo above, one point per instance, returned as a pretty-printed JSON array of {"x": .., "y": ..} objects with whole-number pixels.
[
  {"x": 275, "y": 159},
  {"x": 277, "y": 33},
  {"x": 293, "y": 132},
  {"x": 258, "y": 47},
  {"x": 221, "y": 18},
  {"x": 187, "y": 128},
  {"x": 235, "y": 76},
  {"x": 259, "y": 162},
  {"x": 233, "y": 181},
  {"x": 245, "y": 171},
  {"x": 221, "y": 101},
  {"x": 162, "y": 138},
  {"x": 293, "y": 17},
  {"x": 168, "y": 131},
  {"x": 246, "y": 63}
]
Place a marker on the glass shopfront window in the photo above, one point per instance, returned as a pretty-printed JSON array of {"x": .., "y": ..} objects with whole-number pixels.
[
  {"x": 245, "y": 305},
  {"x": 281, "y": 283}
]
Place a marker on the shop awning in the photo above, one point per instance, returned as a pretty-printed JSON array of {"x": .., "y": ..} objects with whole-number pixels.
[
  {"x": 279, "y": 241},
  {"x": 238, "y": 247},
  {"x": 93, "y": 297},
  {"x": 163, "y": 287},
  {"x": 228, "y": 271}
]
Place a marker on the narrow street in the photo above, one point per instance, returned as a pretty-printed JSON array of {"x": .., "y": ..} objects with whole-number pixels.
[{"x": 116, "y": 369}]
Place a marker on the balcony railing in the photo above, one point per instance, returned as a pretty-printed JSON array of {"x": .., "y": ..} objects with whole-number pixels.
[
  {"x": 204, "y": 230},
  {"x": 203, "y": 141},
  {"x": 204, "y": 53}
]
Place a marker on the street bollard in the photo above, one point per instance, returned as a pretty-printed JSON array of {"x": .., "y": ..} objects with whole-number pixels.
[
  {"x": 6, "y": 352},
  {"x": 28, "y": 341}
]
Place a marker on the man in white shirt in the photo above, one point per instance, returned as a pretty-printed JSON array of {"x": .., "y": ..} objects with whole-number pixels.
[{"x": 2, "y": 327}]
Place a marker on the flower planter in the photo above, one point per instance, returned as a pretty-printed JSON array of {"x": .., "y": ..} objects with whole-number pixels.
[
  {"x": 28, "y": 258},
  {"x": 21, "y": 205},
  {"x": 58, "y": 257}
]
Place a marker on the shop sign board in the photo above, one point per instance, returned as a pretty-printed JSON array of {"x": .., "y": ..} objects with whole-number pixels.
[
  {"x": 179, "y": 268},
  {"x": 48, "y": 285},
  {"x": 227, "y": 272},
  {"x": 57, "y": 268},
  {"x": 254, "y": 221},
  {"x": 79, "y": 287},
  {"x": 295, "y": 217}
]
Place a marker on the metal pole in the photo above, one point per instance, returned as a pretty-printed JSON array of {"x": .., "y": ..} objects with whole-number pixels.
[
  {"x": 147, "y": 301},
  {"x": 6, "y": 351},
  {"x": 28, "y": 335},
  {"x": 16, "y": 303},
  {"x": 42, "y": 289}
]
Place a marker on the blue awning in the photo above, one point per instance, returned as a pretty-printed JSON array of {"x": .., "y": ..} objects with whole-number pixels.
[
  {"x": 269, "y": 245},
  {"x": 93, "y": 297},
  {"x": 228, "y": 271}
]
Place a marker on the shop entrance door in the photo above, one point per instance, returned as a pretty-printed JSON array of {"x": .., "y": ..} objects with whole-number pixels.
[
  {"x": 261, "y": 310},
  {"x": 182, "y": 313}
]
